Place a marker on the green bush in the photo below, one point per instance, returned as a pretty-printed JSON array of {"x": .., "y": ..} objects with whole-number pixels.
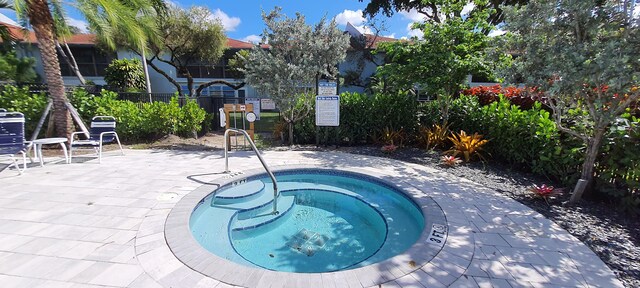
[
  {"x": 362, "y": 118},
  {"x": 85, "y": 103},
  {"x": 19, "y": 99},
  {"x": 355, "y": 118},
  {"x": 191, "y": 119},
  {"x": 141, "y": 121},
  {"x": 396, "y": 112},
  {"x": 618, "y": 168},
  {"x": 526, "y": 139},
  {"x": 125, "y": 75}
]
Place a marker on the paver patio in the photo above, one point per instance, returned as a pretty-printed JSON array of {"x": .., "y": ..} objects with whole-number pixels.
[{"x": 95, "y": 225}]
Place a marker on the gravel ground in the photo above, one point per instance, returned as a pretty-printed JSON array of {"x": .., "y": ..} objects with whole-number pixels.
[{"x": 613, "y": 236}]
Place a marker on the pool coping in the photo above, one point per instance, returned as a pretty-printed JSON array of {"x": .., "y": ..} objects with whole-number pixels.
[{"x": 423, "y": 256}]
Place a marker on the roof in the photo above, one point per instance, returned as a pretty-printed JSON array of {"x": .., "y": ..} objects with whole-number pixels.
[
  {"x": 20, "y": 33},
  {"x": 237, "y": 44},
  {"x": 373, "y": 40},
  {"x": 27, "y": 36}
]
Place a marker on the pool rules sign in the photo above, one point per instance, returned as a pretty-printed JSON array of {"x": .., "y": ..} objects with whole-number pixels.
[{"x": 328, "y": 110}]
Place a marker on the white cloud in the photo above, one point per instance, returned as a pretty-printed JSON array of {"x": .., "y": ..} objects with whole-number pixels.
[
  {"x": 413, "y": 15},
  {"x": 172, "y": 3},
  {"x": 350, "y": 16},
  {"x": 496, "y": 32},
  {"x": 414, "y": 32},
  {"x": 467, "y": 8},
  {"x": 364, "y": 29},
  {"x": 229, "y": 23},
  {"x": 80, "y": 24},
  {"x": 5, "y": 19},
  {"x": 252, "y": 38},
  {"x": 392, "y": 35}
]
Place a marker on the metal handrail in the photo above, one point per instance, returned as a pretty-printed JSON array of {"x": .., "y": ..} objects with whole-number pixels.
[{"x": 264, "y": 164}]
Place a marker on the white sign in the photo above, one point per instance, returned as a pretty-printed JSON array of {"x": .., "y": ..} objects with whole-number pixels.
[
  {"x": 256, "y": 106},
  {"x": 327, "y": 88},
  {"x": 328, "y": 110},
  {"x": 251, "y": 117},
  {"x": 267, "y": 104},
  {"x": 223, "y": 117},
  {"x": 437, "y": 234}
]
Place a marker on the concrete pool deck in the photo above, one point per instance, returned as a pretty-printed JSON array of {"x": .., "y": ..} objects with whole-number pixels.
[{"x": 96, "y": 225}]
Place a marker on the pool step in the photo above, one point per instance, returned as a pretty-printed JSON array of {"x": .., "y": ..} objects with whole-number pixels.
[
  {"x": 261, "y": 215},
  {"x": 239, "y": 193}
]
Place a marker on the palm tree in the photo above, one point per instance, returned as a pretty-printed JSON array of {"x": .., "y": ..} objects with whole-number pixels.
[
  {"x": 5, "y": 35},
  {"x": 105, "y": 17}
]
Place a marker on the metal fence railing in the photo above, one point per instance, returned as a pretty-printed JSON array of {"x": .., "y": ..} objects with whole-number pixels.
[{"x": 142, "y": 97}]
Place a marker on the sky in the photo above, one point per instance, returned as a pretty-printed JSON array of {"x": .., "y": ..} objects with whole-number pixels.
[{"x": 242, "y": 18}]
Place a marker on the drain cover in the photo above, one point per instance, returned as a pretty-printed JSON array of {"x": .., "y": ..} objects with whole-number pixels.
[{"x": 307, "y": 242}]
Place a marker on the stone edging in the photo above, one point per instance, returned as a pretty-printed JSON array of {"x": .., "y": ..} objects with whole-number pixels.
[{"x": 423, "y": 257}]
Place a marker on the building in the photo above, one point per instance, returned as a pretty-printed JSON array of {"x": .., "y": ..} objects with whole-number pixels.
[
  {"x": 358, "y": 67},
  {"x": 93, "y": 61},
  {"x": 360, "y": 63}
]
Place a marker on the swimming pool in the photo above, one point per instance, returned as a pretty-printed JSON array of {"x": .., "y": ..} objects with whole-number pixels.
[{"x": 328, "y": 220}]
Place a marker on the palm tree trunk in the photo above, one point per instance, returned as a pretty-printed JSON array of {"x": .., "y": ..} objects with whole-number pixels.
[{"x": 42, "y": 23}]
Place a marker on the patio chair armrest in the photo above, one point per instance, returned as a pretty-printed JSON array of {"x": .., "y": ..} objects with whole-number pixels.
[{"x": 106, "y": 133}]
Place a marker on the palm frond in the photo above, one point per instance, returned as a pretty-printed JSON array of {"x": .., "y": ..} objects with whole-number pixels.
[{"x": 4, "y": 4}]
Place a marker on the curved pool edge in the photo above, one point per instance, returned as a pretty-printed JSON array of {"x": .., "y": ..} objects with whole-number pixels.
[{"x": 420, "y": 257}]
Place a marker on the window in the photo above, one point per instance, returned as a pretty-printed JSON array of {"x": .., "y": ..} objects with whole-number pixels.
[
  {"x": 91, "y": 61},
  {"x": 217, "y": 70}
]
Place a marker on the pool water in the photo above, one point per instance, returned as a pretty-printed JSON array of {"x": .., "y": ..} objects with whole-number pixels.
[{"x": 327, "y": 221}]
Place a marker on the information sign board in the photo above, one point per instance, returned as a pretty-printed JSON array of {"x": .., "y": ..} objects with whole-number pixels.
[
  {"x": 267, "y": 104},
  {"x": 328, "y": 110},
  {"x": 327, "y": 88},
  {"x": 256, "y": 106}
]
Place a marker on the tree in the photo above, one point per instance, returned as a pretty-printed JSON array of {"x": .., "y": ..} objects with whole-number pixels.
[
  {"x": 434, "y": 10},
  {"x": 299, "y": 55},
  {"x": 16, "y": 70},
  {"x": 5, "y": 34},
  {"x": 440, "y": 63},
  {"x": 363, "y": 53},
  {"x": 584, "y": 56},
  {"x": 125, "y": 75},
  {"x": 103, "y": 16},
  {"x": 188, "y": 37}
]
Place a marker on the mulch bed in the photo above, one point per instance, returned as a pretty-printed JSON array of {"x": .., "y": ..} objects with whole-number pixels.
[{"x": 613, "y": 236}]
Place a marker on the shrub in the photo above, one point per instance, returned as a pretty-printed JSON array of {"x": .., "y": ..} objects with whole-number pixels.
[
  {"x": 19, "y": 99},
  {"x": 85, "y": 103},
  {"x": 363, "y": 119},
  {"x": 525, "y": 98},
  {"x": 125, "y": 75},
  {"x": 467, "y": 145},
  {"x": 518, "y": 137},
  {"x": 618, "y": 169},
  {"x": 436, "y": 136},
  {"x": 141, "y": 121},
  {"x": 191, "y": 119},
  {"x": 394, "y": 111},
  {"x": 355, "y": 118}
]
